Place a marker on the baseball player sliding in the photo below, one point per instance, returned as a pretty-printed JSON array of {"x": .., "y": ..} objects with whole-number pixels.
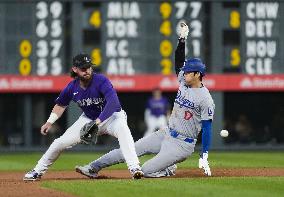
[
  {"x": 102, "y": 114},
  {"x": 192, "y": 112}
]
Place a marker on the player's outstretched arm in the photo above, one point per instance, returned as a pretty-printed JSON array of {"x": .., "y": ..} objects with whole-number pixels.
[
  {"x": 56, "y": 113},
  {"x": 180, "y": 50},
  {"x": 206, "y": 139}
]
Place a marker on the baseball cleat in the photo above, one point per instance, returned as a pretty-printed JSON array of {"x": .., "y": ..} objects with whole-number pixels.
[
  {"x": 86, "y": 171},
  {"x": 32, "y": 176},
  {"x": 171, "y": 170},
  {"x": 137, "y": 174}
]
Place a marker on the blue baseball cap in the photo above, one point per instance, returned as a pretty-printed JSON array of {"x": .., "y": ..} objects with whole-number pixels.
[{"x": 194, "y": 65}]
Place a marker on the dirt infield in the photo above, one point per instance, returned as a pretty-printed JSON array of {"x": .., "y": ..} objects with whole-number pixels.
[{"x": 12, "y": 185}]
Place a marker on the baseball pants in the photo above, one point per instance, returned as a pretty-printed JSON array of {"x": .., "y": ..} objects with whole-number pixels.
[
  {"x": 116, "y": 126},
  {"x": 168, "y": 151}
]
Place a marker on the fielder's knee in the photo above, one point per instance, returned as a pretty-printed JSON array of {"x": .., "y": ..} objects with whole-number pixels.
[
  {"x": 122, "y": 131},
  {"x": 58, "y": 144}
]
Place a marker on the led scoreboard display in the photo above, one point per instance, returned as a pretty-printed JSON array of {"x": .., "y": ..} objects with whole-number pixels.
[
  {"x": 141, "y": 37},
  {"x": 262, "y": 40},
  {"x": 123, "y": 38},
  {"x": 138, "y": 37},
  {"x": 246, "y": 37},
  {"x": 32, "y": 38}
]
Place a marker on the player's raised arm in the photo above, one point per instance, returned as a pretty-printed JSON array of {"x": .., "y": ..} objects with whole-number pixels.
[{"x": 180, "y": 50}]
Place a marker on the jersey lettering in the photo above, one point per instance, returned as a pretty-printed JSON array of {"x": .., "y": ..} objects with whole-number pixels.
[
  {"x": 210, "y": 112},
  {"x": 183, "y": 102}
]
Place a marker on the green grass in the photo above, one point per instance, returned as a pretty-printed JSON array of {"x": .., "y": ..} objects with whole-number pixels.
[
  {"x": 67, "y": 160},
  {"x": 198, "y": 186},
  {"x": 233, "y": 187}
]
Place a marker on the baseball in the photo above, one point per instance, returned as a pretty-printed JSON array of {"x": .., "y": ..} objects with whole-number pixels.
[{"x": 224, "y": 133}]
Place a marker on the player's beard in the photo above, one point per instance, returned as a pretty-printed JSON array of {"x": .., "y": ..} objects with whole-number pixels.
[{"x": 87, "y": 77}]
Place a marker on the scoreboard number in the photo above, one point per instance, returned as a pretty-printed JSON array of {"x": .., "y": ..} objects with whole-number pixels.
[{"x": 49, "y": 41}]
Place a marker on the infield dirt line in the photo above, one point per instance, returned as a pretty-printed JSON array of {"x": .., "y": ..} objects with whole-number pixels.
[{"x": 12, "y": 185}]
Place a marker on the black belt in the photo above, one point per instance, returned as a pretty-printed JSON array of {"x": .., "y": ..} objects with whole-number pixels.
[{"x": 175, "y": 134}]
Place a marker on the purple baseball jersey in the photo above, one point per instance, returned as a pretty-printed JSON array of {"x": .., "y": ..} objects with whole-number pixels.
[
  {"x": 158, "y": 107},
  {"x": 98, "y": 100}
]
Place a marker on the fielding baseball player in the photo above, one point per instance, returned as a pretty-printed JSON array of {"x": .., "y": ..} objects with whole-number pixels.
[
  {"x": 156, "y": 112},
  {"x": 102, "y": 114},
  {"x": 192, "y": 112}
]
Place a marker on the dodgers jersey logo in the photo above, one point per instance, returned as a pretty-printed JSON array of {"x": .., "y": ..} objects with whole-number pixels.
[
  {"x": 183, "y": 102},
  {"x": 210, "y": 112}
]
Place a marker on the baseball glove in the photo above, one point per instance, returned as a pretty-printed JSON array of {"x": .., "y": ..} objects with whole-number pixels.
[
  {"x": 183, "y": 30},
  {"x": 88, "y": 133},
  {"x": 204, "y": 164}
]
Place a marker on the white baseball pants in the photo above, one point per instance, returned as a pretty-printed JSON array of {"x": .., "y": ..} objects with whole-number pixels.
[{"x": 116, "y": 126}]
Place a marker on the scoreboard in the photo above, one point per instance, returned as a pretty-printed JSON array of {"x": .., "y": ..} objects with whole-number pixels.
[
  {"x": 261, "y": 37},
  {"x": 139, "y": 37},
  {"x": 32, "y": 38},
  {"x": 250, "y": 32}
]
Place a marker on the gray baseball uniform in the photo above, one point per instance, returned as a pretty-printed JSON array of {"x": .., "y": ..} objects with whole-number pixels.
[{"x": 176, "y": 142}]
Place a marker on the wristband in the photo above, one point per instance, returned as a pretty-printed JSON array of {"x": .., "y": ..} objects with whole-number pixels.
[{"x": 52, "y": 118}]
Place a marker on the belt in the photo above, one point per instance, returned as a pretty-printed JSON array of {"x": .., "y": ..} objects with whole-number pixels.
[{"x": 175, "y": 134}]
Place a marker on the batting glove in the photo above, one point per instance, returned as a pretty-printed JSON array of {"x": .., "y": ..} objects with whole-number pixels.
[
  {"x": 204, "y": 164},
  {"x": 183, "y": 30}
]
